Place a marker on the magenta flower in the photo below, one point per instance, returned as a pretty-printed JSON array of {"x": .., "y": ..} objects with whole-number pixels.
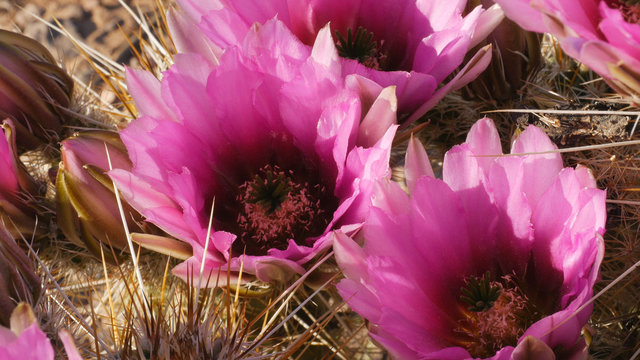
[
  {"x": 491, "y": 262},
  {"x": 411, "y": 44},
  {"x": 603, "y": 34},
  {"x": 270, "y": 140},
  {"x": 25, "y": 341}
]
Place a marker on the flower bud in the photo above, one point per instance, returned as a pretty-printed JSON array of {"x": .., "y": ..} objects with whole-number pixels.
[
  {"x": 87, "y": 209},
  {"x": 17, "y": 187},
  {"x": 33, "y": 89},
  {"x": 18, "y": 281},
  {"x": 516, "y": 55}
]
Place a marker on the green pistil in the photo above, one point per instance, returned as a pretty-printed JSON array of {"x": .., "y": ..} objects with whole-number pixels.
[
  {"x": 479, "y": 293},
  {"x": 360, "y": 46},
  {"x": 269, "y": 191}
]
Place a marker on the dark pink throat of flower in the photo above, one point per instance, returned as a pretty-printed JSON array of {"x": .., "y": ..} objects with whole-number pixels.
[
  {"x": 361, "y": 46},
  {"x": 273, "y": 207},
  {"x": 497, "y": 314},
  {"x": 630, "y": 9}
]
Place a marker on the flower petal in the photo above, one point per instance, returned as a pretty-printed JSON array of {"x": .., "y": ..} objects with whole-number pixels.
[{"x": 416, "y": 163}]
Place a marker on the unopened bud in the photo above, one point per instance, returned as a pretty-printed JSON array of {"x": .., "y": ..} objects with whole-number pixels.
[
  {"x": 18, "y": 281},
  {"x": 33, "y": 89},
  {"x": 17, "y": 189},
  {"x": 87, "y": 210}
]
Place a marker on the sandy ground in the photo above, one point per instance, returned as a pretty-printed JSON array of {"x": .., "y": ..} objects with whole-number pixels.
[{"x": 97, "y": 22}]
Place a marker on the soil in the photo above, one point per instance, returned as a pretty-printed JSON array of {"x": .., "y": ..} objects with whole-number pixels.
[{"x": 98, "y": 23}]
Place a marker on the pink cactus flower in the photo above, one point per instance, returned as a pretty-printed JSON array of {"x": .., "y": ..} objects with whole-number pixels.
[
  {"x": 603, "y": 34},
  {"x": 411, "y": 44},
  {"x": 269, "y": 141},
  {"x": 25, "y": 341},
  {"x": 494, "y": 261}
]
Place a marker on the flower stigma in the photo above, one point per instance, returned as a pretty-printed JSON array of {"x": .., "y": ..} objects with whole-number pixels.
[
  {"x": 275, "y": 208},
  {"x": 361, "y": 47},
  {"x": 498, "y": 313}
]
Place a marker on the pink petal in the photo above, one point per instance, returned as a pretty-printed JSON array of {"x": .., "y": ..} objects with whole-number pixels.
[
  {"x": 585, "y": 177},
  {"x": 261, "y": 11},
  {"x": 406, "y": 311},
  {"x": 359, "y": 298},
  {"x": 471, "y": 70},
  {"x": 307, "y": 17},
  {"x": 426, "y": 288},
  {"x": 276, "y": 269},
  {"x": 580, "y": 17},
  {"x": 556, "y": 245},
  {"x": 188, "y": 38},
  {"x": 618, "y": 32},
  {"x": 196, "y": 9},
  {"x": 514, "y": 229},
  {"x": 521, "y": 12},
  {"x": 155, "y": 206},
  {"x": 461, "y": 171},
  {"x": 324, "y": 50},
  {"x": 145, "y": 90},
  {"x": 224, "y": 27},
  {"x": 441, "y": 52},
  {"x": 380, "y": 117},
  {"x": 438, "y": 211},
  {"x": 540, "y": 171},
  {"x": 69, "y": 346},
  {"x": 483, "y": 139},
  {"x": 416, "y": 163},
  {"x": 335, "y": 132},
  {"x": 487, "y": 22},
  {"x": 278, "y": 49},
  {"x": 532, "y": 348},
  {"x": 596, "y": 54},
  {"x": 368, "y": 89},
  {"x": 6, "y": 336},
  {"x": 8, "y": 176},
  {"x": 390, "y": 197},
  {"x": 214, "y": 275},
  {"x": 31, "y": 344},
  {"x": 397, "y": 348},
  {"x": 350, "y": 257},
  {"x": 363, "y": 168},
  {"x": 440, "y": 14}
]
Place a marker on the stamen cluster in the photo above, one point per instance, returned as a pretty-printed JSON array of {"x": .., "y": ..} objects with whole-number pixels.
[
  {"x": 360, "y": 46},
  {"x": 501, "y": 324},
  {"x": 276, "y": 209}
]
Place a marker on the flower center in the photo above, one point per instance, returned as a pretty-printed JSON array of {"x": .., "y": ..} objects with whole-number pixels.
[
  {"x": 362, "y": 47},
  {"x": 630, "y": 9},
  {"x": 268, "y": 191},
  {"x": 274, "y": 208},
  {"x": 498, "y": 314},
  {"x": 480, "y": 293}
]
